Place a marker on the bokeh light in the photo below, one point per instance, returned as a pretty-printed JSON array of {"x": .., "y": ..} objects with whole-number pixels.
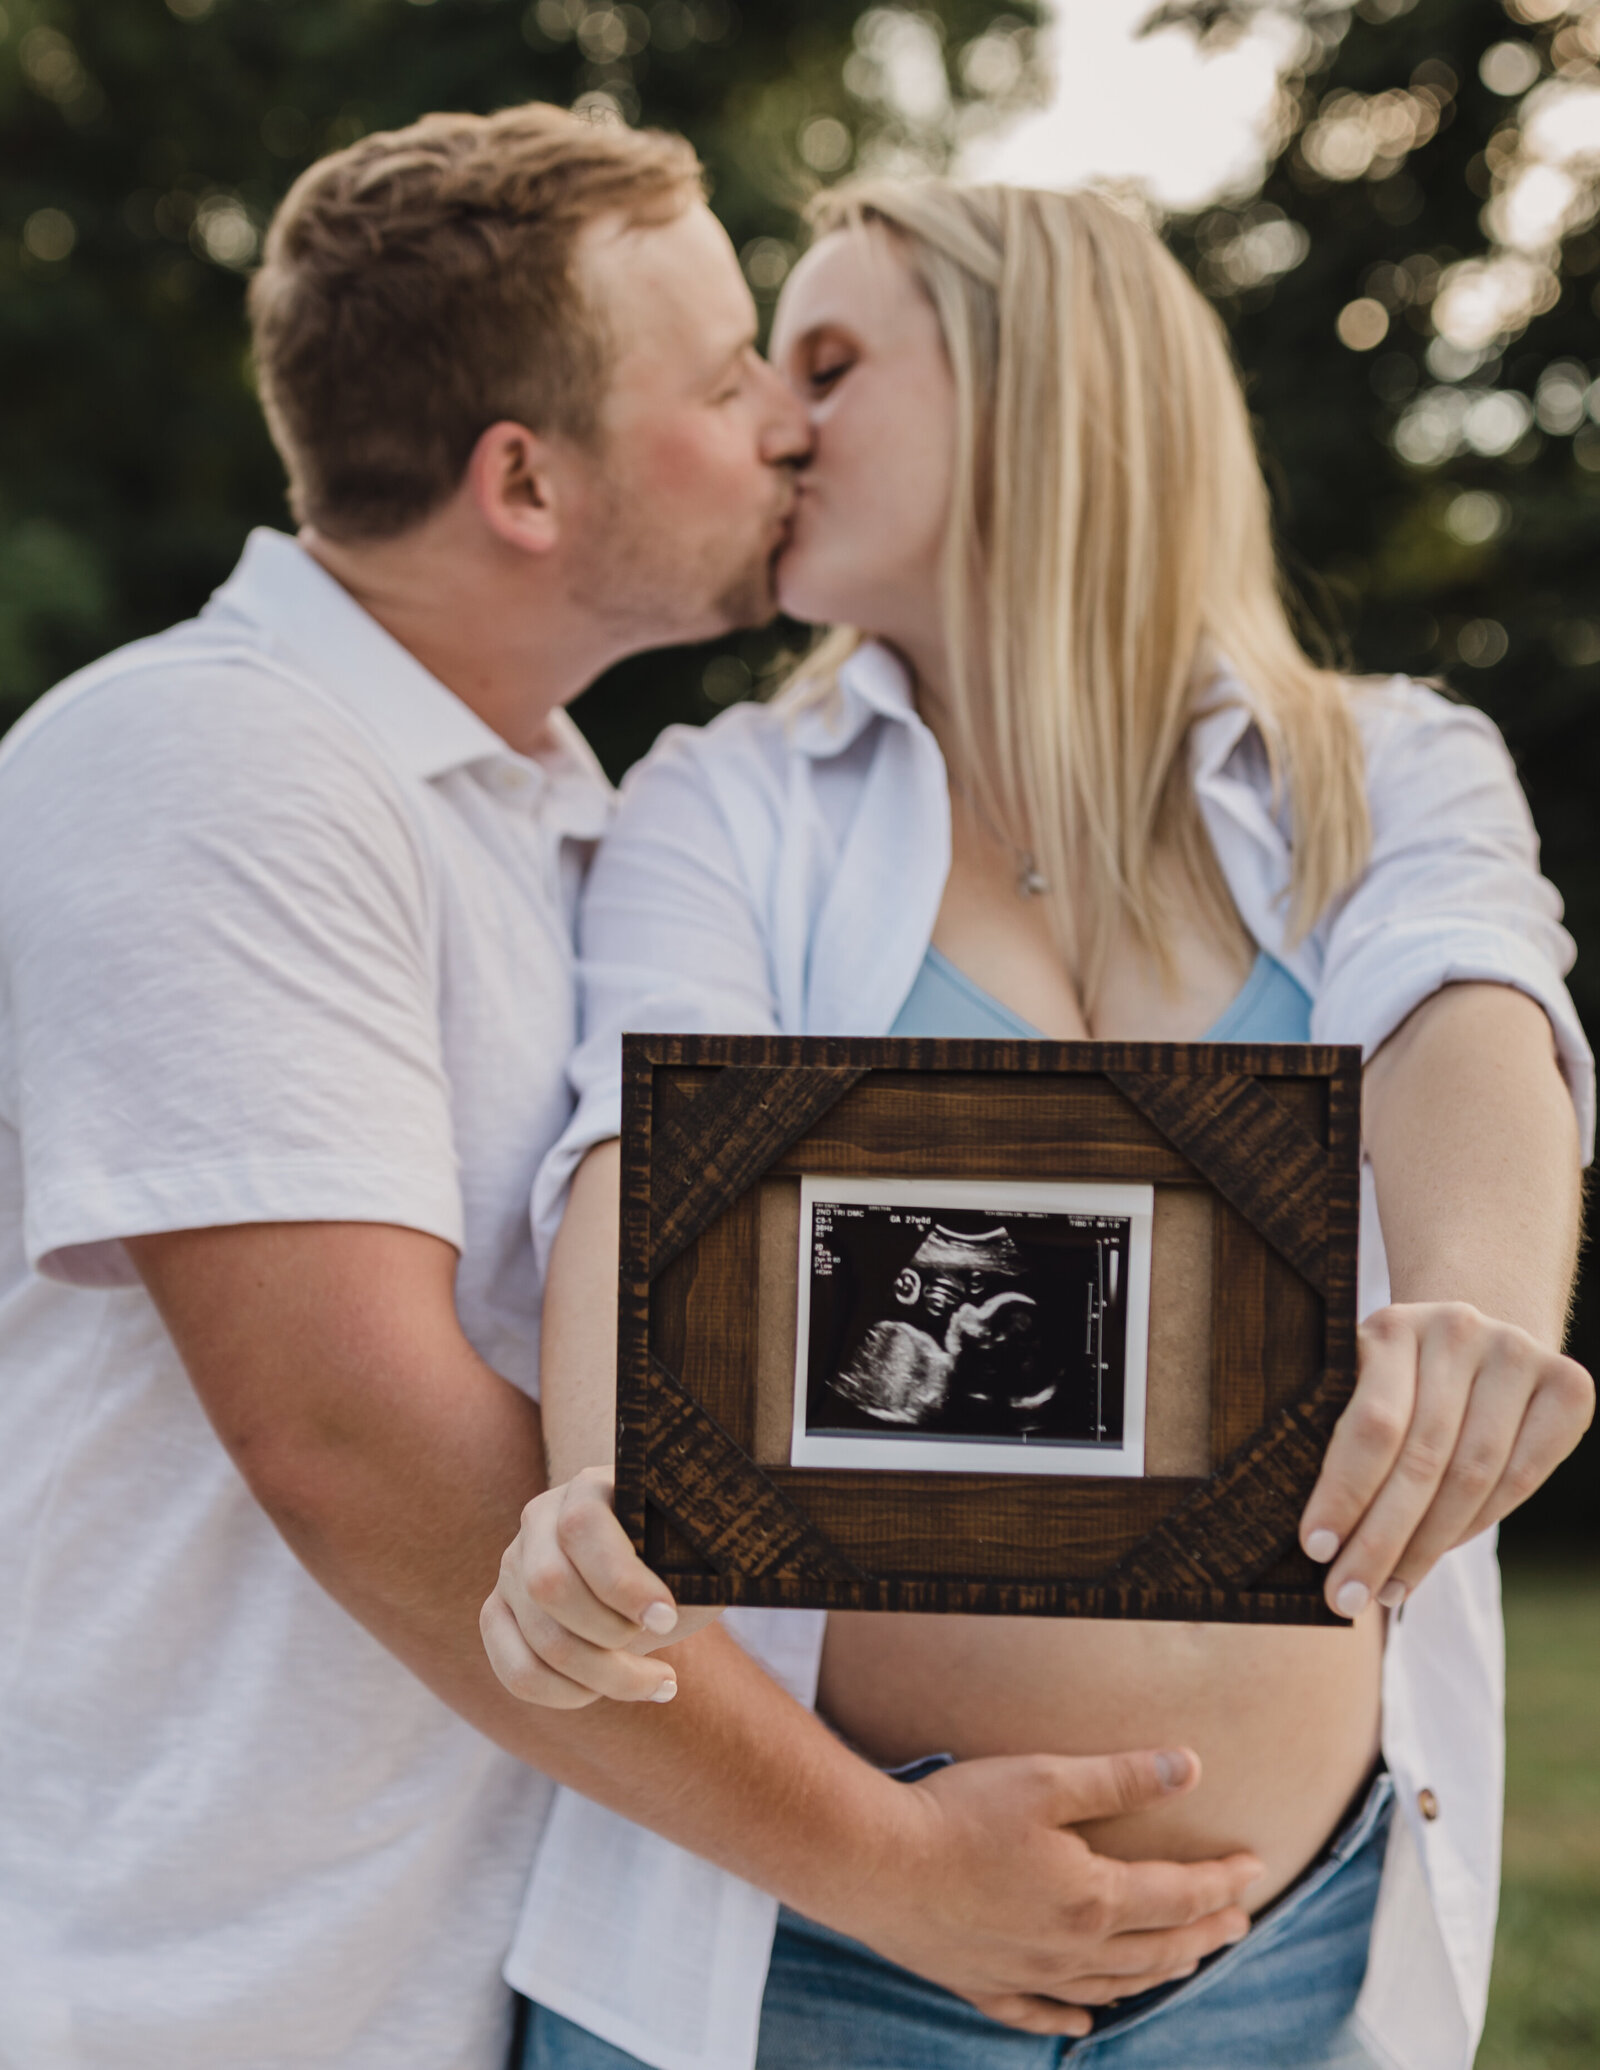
[
  {"x": 1509, "y": 68},
  {"x": 1482, "y": 642},
  {"x": 1362, "y": 324},
  {"x": 49, "y": 235},
  {"x": 825, "y": 144},
  {"x": 1476, "y": 516}
]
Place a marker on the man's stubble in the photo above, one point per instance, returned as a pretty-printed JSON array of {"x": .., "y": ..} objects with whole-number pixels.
[{"x": 654, "y": 588}]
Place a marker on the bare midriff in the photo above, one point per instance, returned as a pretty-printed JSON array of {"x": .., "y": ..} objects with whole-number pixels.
[{"x": 1284, "y": 1719}]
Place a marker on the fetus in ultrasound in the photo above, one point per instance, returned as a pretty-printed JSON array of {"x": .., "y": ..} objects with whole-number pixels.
[{"x": 964, "y": 1348}]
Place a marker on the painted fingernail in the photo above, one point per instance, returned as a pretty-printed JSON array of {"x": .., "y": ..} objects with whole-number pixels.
[
  {"x": 1321, "y": 1546},
  {"x": 1172, "y": 1770},
  {"x": 664, "y": 1692},
  {"x": 1392, "y": 1594},
  {"x": 659, "y": 1618},
  {"x": 1352, "y": 1599}
]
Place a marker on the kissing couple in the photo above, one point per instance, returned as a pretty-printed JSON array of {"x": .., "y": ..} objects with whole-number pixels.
[{"x": 319, "y": 926}]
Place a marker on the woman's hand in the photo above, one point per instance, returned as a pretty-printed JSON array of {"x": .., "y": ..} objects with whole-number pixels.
[
  {"x": 576, "y": 1612},
  {"x": 1454, "y": 1421}
]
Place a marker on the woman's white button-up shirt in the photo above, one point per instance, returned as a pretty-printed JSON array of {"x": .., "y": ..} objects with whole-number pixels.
[{"x": 779, "y": 871}]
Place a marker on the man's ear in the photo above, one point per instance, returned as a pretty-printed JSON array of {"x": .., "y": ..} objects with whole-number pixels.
[{"x": 512, "y": 480}]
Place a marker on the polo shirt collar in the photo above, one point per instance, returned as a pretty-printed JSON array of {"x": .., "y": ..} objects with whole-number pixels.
[{"x": 281, "y": 590}]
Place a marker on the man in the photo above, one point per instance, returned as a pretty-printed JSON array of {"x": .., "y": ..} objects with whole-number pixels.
[{"x": 284, "y": 908}]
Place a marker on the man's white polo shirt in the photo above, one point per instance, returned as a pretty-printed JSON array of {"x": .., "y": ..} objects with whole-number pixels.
[{"x": 283, "y": 937}]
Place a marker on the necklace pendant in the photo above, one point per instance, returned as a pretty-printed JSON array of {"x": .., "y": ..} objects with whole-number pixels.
[{"x": 1029, "y": 882}]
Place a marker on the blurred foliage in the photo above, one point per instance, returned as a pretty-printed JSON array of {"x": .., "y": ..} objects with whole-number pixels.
[{"x": 1439, "y": 499}]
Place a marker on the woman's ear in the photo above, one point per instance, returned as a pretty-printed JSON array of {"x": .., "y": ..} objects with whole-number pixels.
[{"x": 512, "y": 480}]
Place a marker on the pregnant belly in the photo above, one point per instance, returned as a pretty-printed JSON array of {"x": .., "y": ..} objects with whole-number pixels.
[{"x": 1284, "y": 1719}]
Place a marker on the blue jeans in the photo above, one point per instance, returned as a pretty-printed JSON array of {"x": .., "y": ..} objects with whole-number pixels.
[{"x": 1278, "y": 2000}]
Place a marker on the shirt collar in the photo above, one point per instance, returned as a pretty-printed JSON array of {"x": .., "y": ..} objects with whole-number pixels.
[
  {"x": 282, "y": 592},
  {"x": 872, "y": 683},
  {"x": 1226, "y": 717}
]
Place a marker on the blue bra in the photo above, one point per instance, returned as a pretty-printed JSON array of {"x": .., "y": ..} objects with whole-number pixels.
[{"x": 1269, "y": 1007}]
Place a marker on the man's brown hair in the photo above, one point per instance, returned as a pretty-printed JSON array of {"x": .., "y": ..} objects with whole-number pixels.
[{"x": 418, "y": 287}]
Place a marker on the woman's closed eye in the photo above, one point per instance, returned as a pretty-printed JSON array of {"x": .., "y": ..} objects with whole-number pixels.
[{"x": 822, "y": 379}]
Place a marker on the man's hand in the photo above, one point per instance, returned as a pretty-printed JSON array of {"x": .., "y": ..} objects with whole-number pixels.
[
  {"x": 575, "y": 1607},
  {"x": 997, "y": 1899},
  {"x": 1455, "y": 1420}
]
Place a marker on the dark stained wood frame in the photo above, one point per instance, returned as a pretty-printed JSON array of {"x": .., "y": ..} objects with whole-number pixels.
[{"x": 1272, "y": 1129}]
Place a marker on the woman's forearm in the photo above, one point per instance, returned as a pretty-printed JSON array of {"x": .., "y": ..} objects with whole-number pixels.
[
  {"x": 578, "y": 1359},
  {"x": 1464, "y": 1403},
  {"x": 1474, "y": 1149}
]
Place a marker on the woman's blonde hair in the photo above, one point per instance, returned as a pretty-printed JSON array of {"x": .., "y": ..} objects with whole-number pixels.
[{"x": 1109, "y": 542}]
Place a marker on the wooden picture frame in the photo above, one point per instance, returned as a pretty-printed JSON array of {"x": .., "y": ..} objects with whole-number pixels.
[{"x": 1253, "y": 1152}]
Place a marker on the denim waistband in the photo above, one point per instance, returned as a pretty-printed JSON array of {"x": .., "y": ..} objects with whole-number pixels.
[{"x": 1366, "y": 1828}]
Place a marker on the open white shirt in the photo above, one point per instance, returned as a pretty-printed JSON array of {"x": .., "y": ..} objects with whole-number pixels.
[
  {"x": 780, "y": 871},
  {"x": 284, "y": 936}
]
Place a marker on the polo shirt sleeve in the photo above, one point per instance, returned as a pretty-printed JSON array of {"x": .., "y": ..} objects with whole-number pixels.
[
  {"x": 670, "y": 942},
  {"x": 1453, "y": 892},
  {"x": 220, "y": 991}
]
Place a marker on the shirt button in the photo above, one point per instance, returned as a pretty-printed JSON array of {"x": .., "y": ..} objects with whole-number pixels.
[{"x": 1428, "y": 1804}]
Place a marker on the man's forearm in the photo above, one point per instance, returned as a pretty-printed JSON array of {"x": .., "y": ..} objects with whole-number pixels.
[
  {"x": 1474, "y": 1151},
  {"x": 396, "y": 1464},
  {"x": 733, "y": 1768}
]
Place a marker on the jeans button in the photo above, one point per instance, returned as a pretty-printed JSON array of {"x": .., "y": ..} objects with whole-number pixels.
[{"x": 1428, "y": 1804}]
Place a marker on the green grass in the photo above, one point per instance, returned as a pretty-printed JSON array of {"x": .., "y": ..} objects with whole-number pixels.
[{"x": 1544, "y": 2004}]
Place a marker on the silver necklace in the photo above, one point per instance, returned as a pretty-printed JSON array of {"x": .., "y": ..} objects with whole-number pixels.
[{"x": 1030, "y": 882}]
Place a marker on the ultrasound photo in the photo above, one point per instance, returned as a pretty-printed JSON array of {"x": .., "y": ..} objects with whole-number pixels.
[{"x": 970, "y": 1327}]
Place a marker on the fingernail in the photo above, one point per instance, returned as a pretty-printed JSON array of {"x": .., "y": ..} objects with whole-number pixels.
[
  {"x": 1392, "y": 1594},
  {"x": 1352, "y": 1599},
  {"x": 1172, "y": 1769},
  {"x": 1321, "y": 1546},
  {"x": 664, "y": 1692},
  {"x": 659, "y": 1618},
  {"x": 1238, "y": 1934}
]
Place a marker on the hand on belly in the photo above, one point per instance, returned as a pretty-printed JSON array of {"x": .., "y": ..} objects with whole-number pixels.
[{"x": 1284, "y": 1719}]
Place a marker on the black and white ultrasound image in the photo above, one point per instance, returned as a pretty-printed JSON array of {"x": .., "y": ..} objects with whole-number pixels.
[{"x": 961, "y": 1323}]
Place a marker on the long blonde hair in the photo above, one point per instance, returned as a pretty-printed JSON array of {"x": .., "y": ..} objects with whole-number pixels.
[{"x": 1109, "y": 542}]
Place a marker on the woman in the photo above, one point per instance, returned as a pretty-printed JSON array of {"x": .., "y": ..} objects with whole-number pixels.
[{"x": 1080, "y": 781}]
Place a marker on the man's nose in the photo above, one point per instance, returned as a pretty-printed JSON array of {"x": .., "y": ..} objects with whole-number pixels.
[{"x": 786, "y": 433}]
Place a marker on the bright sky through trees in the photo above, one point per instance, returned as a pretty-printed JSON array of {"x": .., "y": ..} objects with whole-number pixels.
[{"x": 1183, "y": 122}]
